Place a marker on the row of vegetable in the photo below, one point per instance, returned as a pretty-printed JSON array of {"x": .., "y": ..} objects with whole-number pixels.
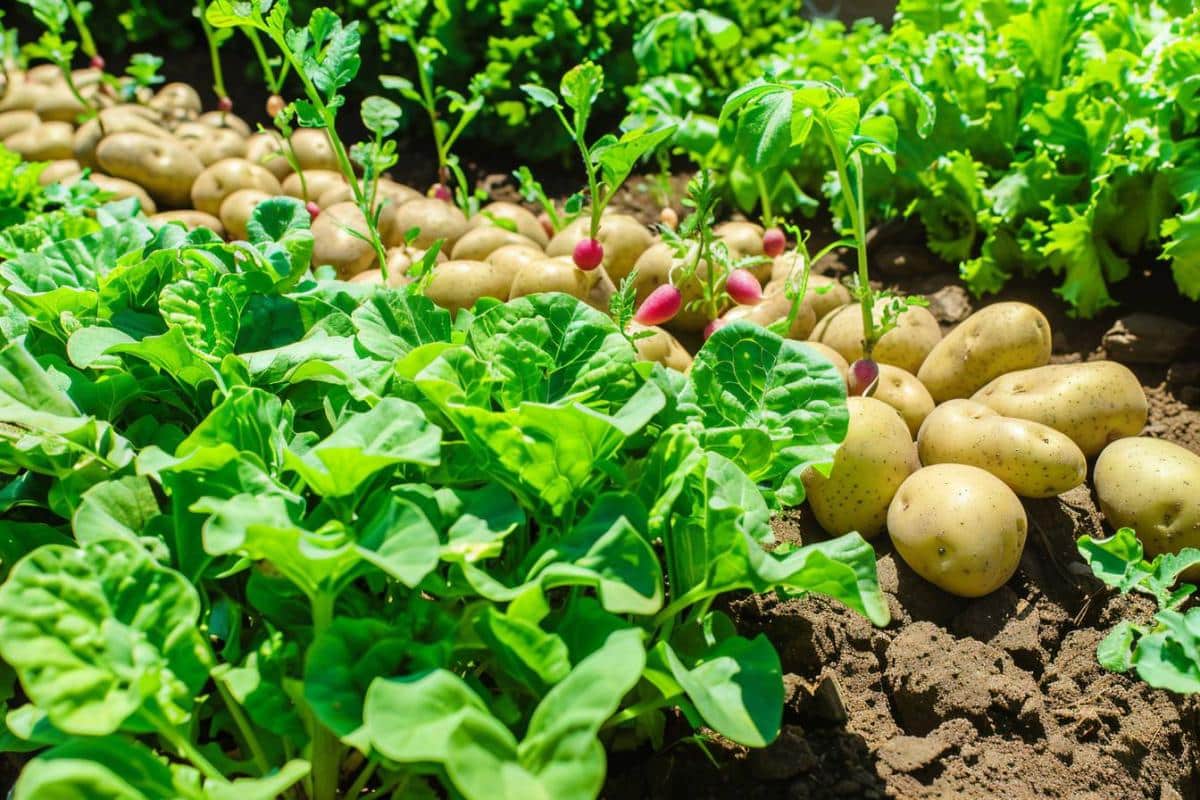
[{"x": 300, "y": 505}]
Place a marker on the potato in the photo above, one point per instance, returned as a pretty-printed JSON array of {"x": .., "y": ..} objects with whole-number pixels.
[
  {"x": 653, "y": 269},
  {"x": 333, "y": 244},
  {"x": 959, "y": 527},
  {"x": 1152, "y": 486},
  {"x": 774, "y": 307},
  {"x": 875, "y": 458},
  {"x": 121, "y": 189},
  {"x": 435, "y": 218},
  {"x": 316, "y": 181},
  {"x": 1034, "y": 460},
  {"x": 483, "y": 240},
  {"x": 662, "y": 348},
  {"x": 1094, "y": 403},
  {"x": 830, "y": 355},
  {"x": 16, "y": 121},
  {"x": 744, "y": 240},
  {"x": 902, "y": 391},
  {"x": 266, "y": 149},
  {"x": 399, "y": 260},
  {"x": 191, "y": 220},
  {"x": 211, "y": 144},
  {"x": 236, "y": 210},
  {"x": 225, "y": 177},
  {"x": 44, "y": 75},
  {"x": 313, "y": 150},
  {"x": 163, "y": 167},
  {"x": 49, "y": 141},
  {"x": 394, "y": 193},
  {"x": 58, "y": 104},
  {"x": 118, "y": 119},
  {"x": 509, "y": 259},
  {"x": 176, "y": 100},
  {"x": 624, "y": 240},
  {"x": 823, "y": 293},
  {"x": 223, "y": 120},
  {"x": 58, "y": 171},
  {"x": 21, "y": 95},
  {"x": 459, "y": 284},
  {"x": 527, "y": 224},
  {"x": 1000, "y": 338},
  {"x": 552, "y": 275},
  {"x": 905, "y": 346}
]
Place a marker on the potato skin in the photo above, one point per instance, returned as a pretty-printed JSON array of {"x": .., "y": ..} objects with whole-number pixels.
[
  {"x": 457, "y": 285},
  {"x": 49, "y": 141},
  {"x": 225, "y": 177},
  {"x": 191, "y": 220},
  {"x": 551, "y": 275},
  {"x": 662, "y": 348},
  {"x": 164, "y": 167},
  {"x": 902, "y": 391},
  {"x": 266, "y": 149},
  {"x": 435, "y": 218},
  {"x": 236, "y": 211},
  {"x": 959, "y": 527},
  {"x": 509, "y": 258},
  {"x": 481, "y": 241},
  {"x": 875, "y": 458},
  {"x": 316, "y": 181},
  {"x": 1034, "y": 460},
  {"x": 16, "y": 121},
  {"x": 527, "y": 224},
  {"x": 905, "y": 346},
  {"x": 334, "y": 244},
  {"x": 116, "y": 120},
  {"x": 823, "y": 293},
  {"x": 121, "y": 189},
  {"x": 1152, "y": 486},
  {"x": 624, "y": 240},
  {"x": 745, "y": 240},
  {"x": 1000, "y": 338},
  {"x": 775, "y": 306},
  {"x": 1094, "y": 402},
  {"x": 59, "y": 171},
  {"x": 313, "y": 150}
]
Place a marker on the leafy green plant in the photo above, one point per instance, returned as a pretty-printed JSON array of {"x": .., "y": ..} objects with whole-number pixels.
[
  {"x": 1165, "y": 654},
  {"x": 608, "y": 160},
  {"x": 55, "y": 46}
]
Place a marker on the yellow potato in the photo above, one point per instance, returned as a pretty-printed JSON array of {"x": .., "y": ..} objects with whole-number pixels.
[
  {"x": 662, "y": 348},
  {"x": 163, "y": 167},
  {"x": 1152, "y": 486},
  {"x": 336, "y": 245},
  {"x": 222, "y": 120},
  {"x": 552, "y": 275},
  {"x": 387, "y": 190},
  {"x": 236, "y": 211},
  {"x": 49, "y": 141},
  {"x": 774, "y": 307},
  {"x": 191, "y": 220},
  {"x": 1094, "y": 402},
  {"x": 745, "y": 240},
  {"x": 527, "y": 224},
  {"x": 905, "y": 346},
  {"x": 958, "y": 527},
  {"x": 1034, "y": 460},
  {"x": 211, "y": 144},
  {"x": 316, "y": 181},
  {"x": 623, "y": 238},
  {"x": 903, "y": 392},
  {"x": 483, "y": 240},
  {"x": 1000, "y": 338},
  {"x": 225, "y": 177},
  {"x": 118, "y": 119},
  {"x": 59, "y": 171},
  {"x": 21, "y": 95},
  {"x": 16, "y": 121},
  {"x": 875, "y": 458},
  {"x": 59, "y": 104},
  {"x": 399, "y": 260},
  {"x": 120, "y": 189},
  {"x": 266, "y": 149},
  {"x": 823, "y": 293},
  {"x": 313, "y": 150},
  {"x": 457, "y": 285},
  {"x": 509, "y": 259},
  {"x": 176, "y": 100},
  {"x": 436, "y": 219}
]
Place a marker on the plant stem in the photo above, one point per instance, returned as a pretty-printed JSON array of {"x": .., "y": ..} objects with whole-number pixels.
[
  {"x": 214, "y": 54},
  {"x": 186, "y": 749},
  {"x": 246, "y": 729},
  {"x": 636, "y": 710},
  {"x": 430, "y": 104},
  {"x": 273, "y": 83},
  {"x": 764, "y": 198},
  {"x": 388, "y": 786},
  {"x": 326, "y": 749},
  {"x": 85, "y": 36},
  {"x": 852, "y": 192},
  {"x": 360, "y": 783},
  {"x": 593, "y": 189}
]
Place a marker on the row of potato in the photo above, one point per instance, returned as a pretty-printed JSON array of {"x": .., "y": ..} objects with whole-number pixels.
[{"x": 955, "y": 431}]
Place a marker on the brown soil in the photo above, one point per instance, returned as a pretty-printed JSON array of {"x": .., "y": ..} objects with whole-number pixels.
[{"x": 995, "y": 697}]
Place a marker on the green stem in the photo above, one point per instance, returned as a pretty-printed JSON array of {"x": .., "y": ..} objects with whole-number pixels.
[
  {"x": 186, "y": 749},
  {"x": 326, "y": 749},
  {"x": 636, "y": 710},
  {"x": 430, "y": 104},
  {"x": 245, "y": 728},
  {"x": 388, "y": 786},
  {"x": 764, "y": 198},
  {"x": 214, "y": 54},
  {"x": 65, "y": 68},
  {"x": 360, "y": 783},
  {"x": 593, "y": 189},
  {"x": 852, "y": 192},
  {"x": 273, "y": 83},
  {"x": 85, "y": 36}
]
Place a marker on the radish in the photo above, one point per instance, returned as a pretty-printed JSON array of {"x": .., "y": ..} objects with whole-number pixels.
[
  {"x": 660, "y": 306},
  {"x": 714, "y": 326},
  {"x": 98, "y": 62},
  {"x": 743, "y": 287},
  {"x": 313, "y": 209},
  {"x": 864, "y": 373},
  {"x": 774, "y": 242},
  {"x": 441, "y": 192},
  {"x": 588, "y": 254},
  {"x": 224, "y": 105},
  {"x": 275, "y": 104}
]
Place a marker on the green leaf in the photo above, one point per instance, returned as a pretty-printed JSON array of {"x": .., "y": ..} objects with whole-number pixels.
[
  {"x": 1115, "y": 651},
  {"x": 106, "y": 768},
  {"x": 540, "y": 95},
  {"x": 270, "y": 787},
  {"x": 764, "y": 130},
  {"x": 618, "y": 158},
  {"x": 118, "y": 509},
  {"x": 580, "y": 87},
  {"x": 279, "y": 228},
  {"x": 100, "y": 634},
  {"x": 522, "y": 650},
  {"x": 391, "y": 323},
  {"x": 1169, "y": 656},
  {"x": 381, "y": 116}
]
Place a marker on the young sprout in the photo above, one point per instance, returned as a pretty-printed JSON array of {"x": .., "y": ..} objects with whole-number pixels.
[
  {"x": 53, "y": 47},
  {"x": 552, "y": 218},
  {"x": 608, "y": 160},
  {"x": 215, "y": 38}
]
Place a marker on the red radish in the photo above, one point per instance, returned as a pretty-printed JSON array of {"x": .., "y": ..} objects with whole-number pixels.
[
  {"x": 714, "y": 326},
  {"x": 98, "y": 62},
  {"x": 669, "y": 218},
  {"x": 275, "y": 104},
  {"x": 313, "y": 209},
  {"x": 224, "y": 105},
  {"x": 588, "y": 254},
  {"x": 546, "y": 223},
  {"x": 660, "y": 306},
  {"x": 441, "y": 191},
  {"x": 864, "y": 373},
  {"x": 774, "y": 242},
  {"x": 743, "y": 287}
]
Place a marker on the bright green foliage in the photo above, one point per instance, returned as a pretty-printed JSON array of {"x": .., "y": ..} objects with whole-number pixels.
[
  {"x": 264, "y": 534},
  {"x": 1166, "y": 654}
]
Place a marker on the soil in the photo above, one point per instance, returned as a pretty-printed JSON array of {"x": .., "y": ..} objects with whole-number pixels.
[{"x": 995, "y": 697}]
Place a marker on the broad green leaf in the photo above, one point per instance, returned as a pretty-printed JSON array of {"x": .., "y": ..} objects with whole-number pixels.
[
  {"x": 107, "y": 768},
  {"x": 100, "y": 634},
  {"x": 1169, "y": 656},
  {"x": 522, "y": 650},
  {"x": 580, "y": 87},
  {"x": 392, "y": 323},
  {"x": 1115, "y": 651},
  {"x": 270, "y": 787},
  {"x": 279, "y": 228},
  {"x": 764, "y": 131},
  {"x": 117, "y": 509},
  {"x": 381, "y": 116}
]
